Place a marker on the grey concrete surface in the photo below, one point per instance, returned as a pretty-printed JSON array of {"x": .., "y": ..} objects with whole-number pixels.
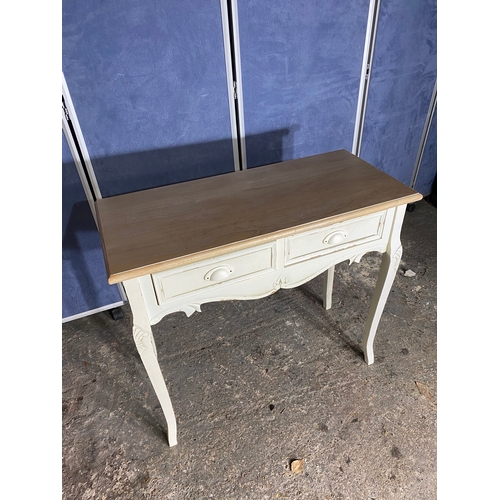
[{"x": 258, "y": 384}]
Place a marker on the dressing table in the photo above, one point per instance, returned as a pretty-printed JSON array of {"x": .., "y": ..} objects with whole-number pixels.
[{"x": 244, "y": 235}]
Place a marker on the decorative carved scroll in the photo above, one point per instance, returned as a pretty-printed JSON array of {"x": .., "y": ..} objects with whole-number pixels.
[
  {"x": 280, "y": 282},
  {"x": 356, "y": 258},
  {"x": 190, "y": 309},
  {"x": 397, "y": 258},
  {"x": 144, "y": 340}
]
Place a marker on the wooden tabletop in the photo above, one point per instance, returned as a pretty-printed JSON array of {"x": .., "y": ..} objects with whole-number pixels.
[{"x": 161, "y": 228}]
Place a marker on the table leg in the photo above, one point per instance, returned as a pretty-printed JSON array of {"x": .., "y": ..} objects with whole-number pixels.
[
  {"x": 388, "y": 269},
  {"x": 328, "y": 287},
  {"x": 144, "y": 340}
]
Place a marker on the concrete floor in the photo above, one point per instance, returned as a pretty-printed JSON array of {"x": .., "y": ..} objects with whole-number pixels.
[{"x": 258, "y": 384}]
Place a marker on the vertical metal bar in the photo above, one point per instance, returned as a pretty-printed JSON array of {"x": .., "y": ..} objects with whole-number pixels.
[
  {"x": 425, "y": 134},
  {"x": 239, "y": 80},
  {"x": 226, "y": 32},
  {"x": 366, "y": 70},
  {"x": 229, "y": 11},
  {"x": 78, "y": 163},
  {"x": 81, "y": 157},
  {"x": 87, "y": 164}
]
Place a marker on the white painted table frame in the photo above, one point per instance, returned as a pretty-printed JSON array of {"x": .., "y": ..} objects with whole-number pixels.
[{"x": 259, "y": 271}]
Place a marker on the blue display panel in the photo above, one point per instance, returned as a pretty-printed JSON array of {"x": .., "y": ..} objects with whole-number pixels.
[
  {"x": 148, "y": 83},
  {"x": 84, "y": 284},
  {"x": 428, "y": 166},
  {"x": 301, "y": 67},
  {"x": 401, "y": 86}
]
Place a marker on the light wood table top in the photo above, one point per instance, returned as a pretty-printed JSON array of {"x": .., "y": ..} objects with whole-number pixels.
[{"x": 165, "y": 227}]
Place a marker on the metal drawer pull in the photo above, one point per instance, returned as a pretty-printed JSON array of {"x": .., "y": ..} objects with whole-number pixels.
[
  {"x": 335, "y": 238},
  {"x": 219, "y": 273}
]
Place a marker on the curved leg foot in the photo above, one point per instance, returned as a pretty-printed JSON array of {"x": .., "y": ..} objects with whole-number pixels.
[
  {"x": 145, "y": 345},
  {"x": 143, "y": 337},
  {"x": 387, "y": 273},
  {"x": 388, "y": 269}
]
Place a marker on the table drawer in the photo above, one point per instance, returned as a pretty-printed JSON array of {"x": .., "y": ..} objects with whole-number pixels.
[
  {"x": 184, "y": 280},
  {"x": 333, "y": 238}
]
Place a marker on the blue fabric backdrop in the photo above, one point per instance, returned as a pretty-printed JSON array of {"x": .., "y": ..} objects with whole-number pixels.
[
  {"x": 148, "y": 82},
  {"x": 301, "y": 65},
  {"x": 401, "y": 86}
]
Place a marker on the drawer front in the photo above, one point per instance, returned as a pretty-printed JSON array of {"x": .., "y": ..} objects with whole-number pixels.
[
  {"x": 333, "y": 238},
  {"x": 184, "y": 280}
]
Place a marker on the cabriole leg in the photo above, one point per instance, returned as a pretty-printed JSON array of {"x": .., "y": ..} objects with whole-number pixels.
[
  {"x": 143, "y": 337},
  {"x": 388, "y": 269},
  {"x": 390, "y": 264}
]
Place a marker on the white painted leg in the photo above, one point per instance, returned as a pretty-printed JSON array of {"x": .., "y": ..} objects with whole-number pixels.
[
  {"x": 388, "y": 269},
  {"x": 143, "y": 337},
  {"x": 328, "y": 287}
]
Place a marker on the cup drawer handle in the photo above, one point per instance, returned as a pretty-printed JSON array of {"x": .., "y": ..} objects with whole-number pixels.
[
  {"x": 335, "y": 238},
  {"x": 219, "y": 273}
]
